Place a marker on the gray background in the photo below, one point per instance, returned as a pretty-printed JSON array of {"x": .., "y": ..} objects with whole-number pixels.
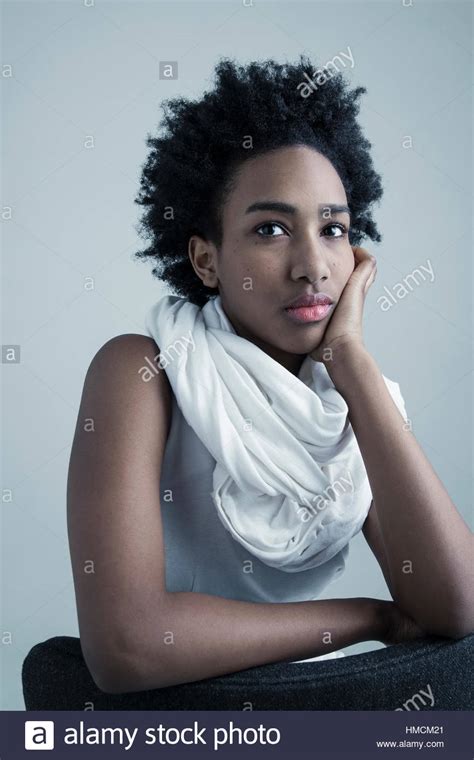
[{"x": 81, "y": 71}]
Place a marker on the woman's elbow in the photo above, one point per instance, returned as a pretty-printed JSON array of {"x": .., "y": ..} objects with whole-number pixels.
[
  {"x": 112, "y": 674},
  {"x": 115, "y": 681},
  {"x": 124, "y": 675}
]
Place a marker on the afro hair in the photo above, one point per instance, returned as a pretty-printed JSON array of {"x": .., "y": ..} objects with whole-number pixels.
[{"x": 190, "y": 167}]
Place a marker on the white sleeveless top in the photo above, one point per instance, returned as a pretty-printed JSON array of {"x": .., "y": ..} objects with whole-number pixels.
[{"x": 201, "y": 555}]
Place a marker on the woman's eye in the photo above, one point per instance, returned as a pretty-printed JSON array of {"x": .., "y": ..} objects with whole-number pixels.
[
  {"x": 340, "y": 227},
  {"x": 268, "y": 226}
]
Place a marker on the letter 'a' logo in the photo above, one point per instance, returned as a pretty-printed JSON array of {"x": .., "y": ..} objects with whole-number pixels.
[{"x": 39, "y": 734}]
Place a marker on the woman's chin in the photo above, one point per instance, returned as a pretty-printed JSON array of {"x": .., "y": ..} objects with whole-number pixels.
[
  {"x": 303, "y": 341},
  {"x": 299, "y": 348}
]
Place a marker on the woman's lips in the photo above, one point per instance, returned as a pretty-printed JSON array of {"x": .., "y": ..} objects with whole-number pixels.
[{"x": 309, "y": 313}]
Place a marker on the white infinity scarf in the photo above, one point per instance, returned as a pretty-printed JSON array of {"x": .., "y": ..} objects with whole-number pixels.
[{"x": 289, "y": 482}]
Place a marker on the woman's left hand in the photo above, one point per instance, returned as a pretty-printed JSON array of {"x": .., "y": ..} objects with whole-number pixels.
[{"x": 345, "y": 324}]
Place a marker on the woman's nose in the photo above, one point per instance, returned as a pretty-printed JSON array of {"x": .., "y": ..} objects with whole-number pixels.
[{"x": 310, "y": 262}]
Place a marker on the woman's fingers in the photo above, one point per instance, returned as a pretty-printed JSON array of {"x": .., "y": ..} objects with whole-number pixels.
[
  {"x": 370, "y": 280},
  {"x": 366, "y": 268}
]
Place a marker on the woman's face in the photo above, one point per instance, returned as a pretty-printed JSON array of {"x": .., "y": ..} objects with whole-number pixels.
[{"x": 281, "y": 240}]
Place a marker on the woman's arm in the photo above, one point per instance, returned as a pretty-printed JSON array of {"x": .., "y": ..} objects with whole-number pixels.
[
  {"x": 114, "y": 522},
  {"x": 195, "y": 636},
  {"x": 134, "y": 634},
  {"x": 428, "y": 546}
]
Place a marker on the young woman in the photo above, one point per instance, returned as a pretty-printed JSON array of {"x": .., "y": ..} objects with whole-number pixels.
[{"x": 222, "y": 464}]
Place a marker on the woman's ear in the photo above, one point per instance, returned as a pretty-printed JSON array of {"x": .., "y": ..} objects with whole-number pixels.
[{"x": 203, "y": 256}]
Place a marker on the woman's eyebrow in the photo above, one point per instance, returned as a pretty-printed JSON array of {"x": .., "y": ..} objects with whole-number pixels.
[{"x": 286, "y": 208}]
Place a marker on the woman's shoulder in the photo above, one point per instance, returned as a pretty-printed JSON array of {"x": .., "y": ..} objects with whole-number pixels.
[
  {"x": 127, "y": 351},
  {"x": 125, "y": 369},
  {"x": 127, "y": 346}
]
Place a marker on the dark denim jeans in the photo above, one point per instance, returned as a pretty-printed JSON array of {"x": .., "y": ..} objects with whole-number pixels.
[{"x": 426, "y": 674}]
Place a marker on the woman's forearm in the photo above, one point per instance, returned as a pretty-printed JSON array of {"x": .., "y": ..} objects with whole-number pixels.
[
  {"x": 429, "y": 547},
  {"x": 198, "y": 636}
]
